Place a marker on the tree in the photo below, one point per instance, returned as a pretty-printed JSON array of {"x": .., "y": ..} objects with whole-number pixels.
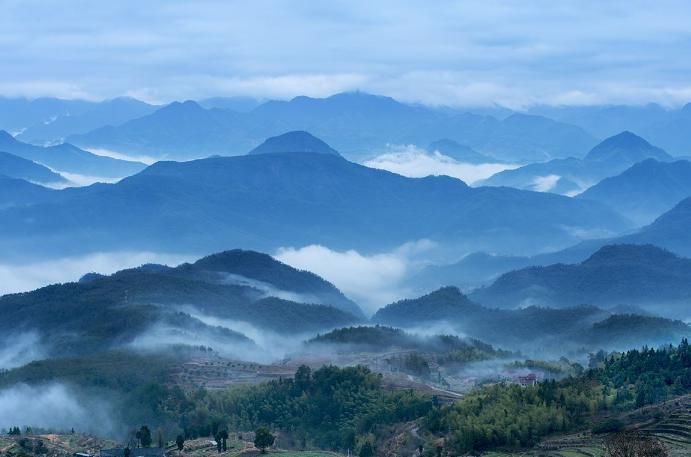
[
  {"x": 180, "y": 442},
  {"x": 366, "y": 450},
  {"x": 263, "y": 439},
  {"x": 144, "y": 436},
  {"x": 634, "y": 444},
  {"x": 223, "y": 434}
]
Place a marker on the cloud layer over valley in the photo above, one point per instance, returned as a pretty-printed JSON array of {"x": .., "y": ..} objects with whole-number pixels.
[{"x": 414, "y": 162}]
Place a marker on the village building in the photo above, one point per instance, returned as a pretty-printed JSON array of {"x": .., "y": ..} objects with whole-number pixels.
[{"x": 527, "y": 380}]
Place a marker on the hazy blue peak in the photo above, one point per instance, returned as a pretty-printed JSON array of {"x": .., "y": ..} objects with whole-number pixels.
[
  {"x": 296, "y": 141},
  {"x": 617, "y": 253},
  {"x": 6, "y": 136},
  {"x": 626, "y": 144}
]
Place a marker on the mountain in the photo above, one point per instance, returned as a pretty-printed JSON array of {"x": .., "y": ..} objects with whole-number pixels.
[
  {"x": 605, "y": 121},
  {"x": 265, "y": 273},
  {"x": 571, "y": 176},
  {"x": 239, "y": 103},
  {"x": 471, "y": 271},
  {"x": 646, "y": 190},
  {"x": 171, "y": 304},
  {"x": 445, "y": 304},
  {"x": 70, "y": 159},
  {"x": 18, "y": 113},
  {"x": 540, "y": 139},
  {"x": 670, "y": 230},
  {"x": 16, "y": 167},
  {"x": 673, "y": 132},
  {"x": 18, "y": 192},
  {"x": 297, "y": 141},
  {"x": 380, "y": 339},
  {"x": 356, "y": 124},
  {"x": 625, "y": 147},
  {"x": 668, "y": 128},
  {"x": 640, "y": 275},
  {"x": 180, "y": 131},
  {"x": 552, "y": 330},
  {"x": 109, "y": 112},
  {"x": 268, "y": 201},
  {"x": 459, "y": 152}
]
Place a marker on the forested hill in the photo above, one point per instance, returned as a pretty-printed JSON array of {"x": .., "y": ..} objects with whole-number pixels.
[
  {"x": 101, "y": 312},
  {"x": 523, "y": 328},
  {"x": 641, "y": 275}
]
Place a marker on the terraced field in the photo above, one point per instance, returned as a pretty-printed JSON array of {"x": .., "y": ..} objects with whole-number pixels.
[
  {"x": 669, "y": 421},
  {"x": 674, "y": 427}
]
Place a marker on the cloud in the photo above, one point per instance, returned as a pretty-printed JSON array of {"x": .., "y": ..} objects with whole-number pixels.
[
  {"x": 25, "y": 277},
  {"x": 54, "y": 407},
  {"x": 455, "y": 53},
  {"x": 19, "y": 349},
  {"x": 371, "y": 280},
  {"x": 146, "y": 160},
  {"x": 545, "y": 183},
  {"x": 415, "y": 162}
]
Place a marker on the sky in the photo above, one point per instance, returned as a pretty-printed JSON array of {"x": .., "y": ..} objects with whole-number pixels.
[{"x": 456, "y": 53}]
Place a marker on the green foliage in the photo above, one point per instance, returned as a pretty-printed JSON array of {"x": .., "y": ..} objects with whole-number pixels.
[
  {"x": 512, "y": 416},
  {"x": 328, "y": 408},
  {"x": 263, "y": 439},
  {"x": 450, "y": 348},
  {"x": 144, "y": 436},
  {"x": 608, "y": 426}
]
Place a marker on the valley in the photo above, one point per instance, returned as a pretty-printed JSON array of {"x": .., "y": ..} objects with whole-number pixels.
[{"x": 345, "y": 229}]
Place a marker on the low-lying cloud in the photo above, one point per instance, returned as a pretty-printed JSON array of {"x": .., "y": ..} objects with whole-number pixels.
[
  {"x": 371, "y": 280},
  {"x": 25, "y": 277},
  {"x": 54, "y": 407},
  {"x": 414, "y": 162},
  {"x": 146, "y": 160},
  {"x": 19, "y": 349}
]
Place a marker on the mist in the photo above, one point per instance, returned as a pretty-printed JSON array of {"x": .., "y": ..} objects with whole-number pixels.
[
  {"x": 30, "y": 276},
  {"x": 370, "y": 280},
  {"x": 24, "y": 405},
  {"x": 19, "y": 349},
  {"x": 146, "y": 160},
  {"x": 415, "y": 162},
  {"x": 270, "y": 346}
]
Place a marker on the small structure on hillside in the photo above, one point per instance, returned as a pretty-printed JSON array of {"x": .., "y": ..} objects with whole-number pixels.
[
  {"x": 134, "y": 452},
  {"x": 527, "y": 380}
]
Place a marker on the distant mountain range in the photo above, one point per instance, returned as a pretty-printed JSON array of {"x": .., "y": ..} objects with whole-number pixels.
[
  {"x": 561, "y": 329},
  {"x": 14, "y": 166},
  {"x": 267, "y": 201},
  {"x": 638, "y": 275},
  {"x": 572, "y": 175},
  {"x": 55, "y": 129},
  {"x": 669, "y": 231},
  {"x": 357, "y": 124},
  {"x": 668, "y": 128},
  {"x": 69, "y": 159},
  {"x": 178, "y": 131},
  {"x": 171, "y": 304},
  {"x": 646, "y": 190},
  {"x": 16, "y": 192}
]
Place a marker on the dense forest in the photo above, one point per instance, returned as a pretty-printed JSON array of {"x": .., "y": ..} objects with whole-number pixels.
[
  {"x": 343, "y": 408},
  {"x": 512, "y": 416}
]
